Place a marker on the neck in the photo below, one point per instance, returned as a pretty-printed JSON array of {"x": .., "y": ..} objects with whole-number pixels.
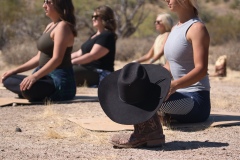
[
  {"x": 55, "y": 22},
  {"x": 55, "y": 19},
  {"x": 186, "y": 16},
  {"x": 100, "y": 30},
  {"x": 186, "y": 12},
  {"x": 162, "y": 31}
]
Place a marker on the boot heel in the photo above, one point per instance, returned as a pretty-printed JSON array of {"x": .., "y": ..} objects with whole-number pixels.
[{"x": 156, "y": 142}]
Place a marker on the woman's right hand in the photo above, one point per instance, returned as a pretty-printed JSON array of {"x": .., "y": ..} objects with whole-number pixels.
[{"x": 6, "y": 74}]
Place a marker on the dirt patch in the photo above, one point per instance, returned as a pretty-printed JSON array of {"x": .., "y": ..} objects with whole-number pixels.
[{"x": 43, "y": 131}]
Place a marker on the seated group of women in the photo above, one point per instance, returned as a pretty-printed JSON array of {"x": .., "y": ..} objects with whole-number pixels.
[{"x": 58, "y": 70}]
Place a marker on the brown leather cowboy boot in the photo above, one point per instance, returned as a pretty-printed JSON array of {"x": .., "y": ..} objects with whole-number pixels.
[{"x": 148, "y": 134}]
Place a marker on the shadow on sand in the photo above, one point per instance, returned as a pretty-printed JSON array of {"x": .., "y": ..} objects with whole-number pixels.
[{"x": 181, "y": 145}]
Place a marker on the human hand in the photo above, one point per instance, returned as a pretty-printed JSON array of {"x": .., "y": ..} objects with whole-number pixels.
[
  {"x": 172, "y": 90},
  {"x": 27, "y": 82},
  {"x": 151, "y": 61},
  {"x": 6, "y": 74}
]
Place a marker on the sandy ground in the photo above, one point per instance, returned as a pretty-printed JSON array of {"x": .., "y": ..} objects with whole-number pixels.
[{"x": 46, "y": 133}]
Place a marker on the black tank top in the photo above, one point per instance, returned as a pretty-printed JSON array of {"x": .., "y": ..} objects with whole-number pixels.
[{"x": 45, "y": 44}]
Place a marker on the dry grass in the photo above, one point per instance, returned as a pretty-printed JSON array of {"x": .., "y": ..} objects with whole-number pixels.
[
  {"x": 53, "y": 134},
  {"x": 58, "y": 127}
]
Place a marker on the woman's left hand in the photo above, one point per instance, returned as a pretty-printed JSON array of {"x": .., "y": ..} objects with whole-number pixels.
[{"x": 27, "y": 82}]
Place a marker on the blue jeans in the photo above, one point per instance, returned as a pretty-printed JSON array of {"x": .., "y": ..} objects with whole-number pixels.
[{"x": 188, "y": 107}]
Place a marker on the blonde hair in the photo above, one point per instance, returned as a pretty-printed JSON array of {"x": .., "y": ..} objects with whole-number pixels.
[{"x": 167, "y": 21}]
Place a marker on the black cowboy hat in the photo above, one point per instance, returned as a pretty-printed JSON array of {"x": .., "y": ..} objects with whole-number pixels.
[{"x": 134, "y": 93}]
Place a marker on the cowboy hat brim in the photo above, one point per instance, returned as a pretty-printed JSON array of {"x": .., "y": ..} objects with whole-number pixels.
[{"x": 124, "y": 113}]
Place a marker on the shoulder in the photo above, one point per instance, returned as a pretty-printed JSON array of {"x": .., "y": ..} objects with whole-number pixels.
[
  {"x": 165, "y": 34},
  {"x": 107, "y": 33},
  {"x": 198, "y": 29},
  {"x": 63, "y": 27},
  {"x": 63, "y": 24},
  {"x": 198, "y": 26}
]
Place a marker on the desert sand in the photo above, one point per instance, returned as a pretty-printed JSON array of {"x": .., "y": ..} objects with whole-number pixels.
[{"x": 44, "y": 131}]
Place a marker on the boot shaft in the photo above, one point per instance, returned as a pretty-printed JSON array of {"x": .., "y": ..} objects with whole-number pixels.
[{"x": 149, "y": 126}]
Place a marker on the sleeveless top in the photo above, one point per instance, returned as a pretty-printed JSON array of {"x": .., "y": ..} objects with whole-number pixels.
[
  {"x": 179, "y": 53},
  {"x": 157, "y": 45},
  {"x": 45, "y": 44},
  {"x": 63, "y": 76}
]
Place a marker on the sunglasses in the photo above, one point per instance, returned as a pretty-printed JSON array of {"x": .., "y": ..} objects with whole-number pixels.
[
  {"x": 47, "y": 2},
  {"x": 95, "y": 17},
  {"x": 157, "y": 22}
]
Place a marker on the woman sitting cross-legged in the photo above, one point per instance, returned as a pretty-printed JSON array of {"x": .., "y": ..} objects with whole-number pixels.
[
  {"x": 53, "y": 76},
  {"x": 96, "y": 57}
]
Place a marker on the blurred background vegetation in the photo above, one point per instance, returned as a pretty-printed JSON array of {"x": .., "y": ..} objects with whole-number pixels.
[{"x": 23, "y": 21}]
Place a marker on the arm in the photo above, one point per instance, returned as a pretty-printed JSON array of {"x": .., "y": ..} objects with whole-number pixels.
[
  {"x": 146, "y": 56},
  {"x": 63, "y": 38},
  {"x": 97, "y": 52},
  {"x": 76, "y": 54},
  {"x": 199, "y": 37},
  {"x": 32, "y": 63}
]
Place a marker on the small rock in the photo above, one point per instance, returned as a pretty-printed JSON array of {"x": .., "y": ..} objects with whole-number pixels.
[{"x": 18, "y": 129}]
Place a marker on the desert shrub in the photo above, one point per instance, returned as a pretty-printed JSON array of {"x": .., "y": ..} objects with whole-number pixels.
[
  {"x": 131, "y": 48},
  {"x": 223, "y": 29},
  {"x": 16, "y": 22},
  {"x": 235, "y": 4},
  {"x": 206, "y": 15},
  {"x": 15, "y": 53},
  {"x": 231, "y": 49}
]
